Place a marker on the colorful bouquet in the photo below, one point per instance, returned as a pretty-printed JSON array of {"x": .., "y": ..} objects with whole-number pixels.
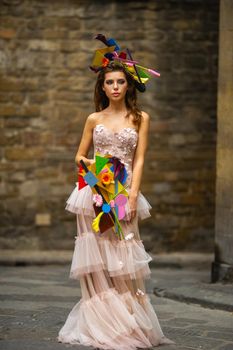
[{"x": 106, "y": 177}]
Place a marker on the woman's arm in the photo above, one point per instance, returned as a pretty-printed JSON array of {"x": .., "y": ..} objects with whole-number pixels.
[
  {"x": 138, "y": 163},
  {"x": 86, "y": 141}
]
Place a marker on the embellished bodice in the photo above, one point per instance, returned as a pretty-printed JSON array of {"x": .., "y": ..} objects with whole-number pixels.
[{"x": 121, "y": 144}]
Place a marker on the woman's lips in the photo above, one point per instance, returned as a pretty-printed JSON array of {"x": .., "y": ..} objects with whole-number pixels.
[{"x": 116, "y": 93}]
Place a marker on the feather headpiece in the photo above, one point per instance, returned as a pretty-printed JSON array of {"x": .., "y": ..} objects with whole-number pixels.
[{"x": 104, "y": 56}]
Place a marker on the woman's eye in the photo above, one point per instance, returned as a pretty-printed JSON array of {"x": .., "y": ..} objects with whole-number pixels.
[{"x": 120, "y": 81}]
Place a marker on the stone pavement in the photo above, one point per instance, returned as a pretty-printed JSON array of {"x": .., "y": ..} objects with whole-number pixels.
[
  {"x": 35, "y": 301},
  {"x": 193, "y": 271}
]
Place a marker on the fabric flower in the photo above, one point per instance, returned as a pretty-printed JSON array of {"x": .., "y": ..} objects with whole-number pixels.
[
  {"x": 98, "y": 200},
  {"x": 140, "y": 292},
  {"x": 129, "y": 236},
  {"x": 106, "y": 178}
]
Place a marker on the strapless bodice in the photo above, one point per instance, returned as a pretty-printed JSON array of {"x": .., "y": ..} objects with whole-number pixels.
[{"x": 121, "y": 144}]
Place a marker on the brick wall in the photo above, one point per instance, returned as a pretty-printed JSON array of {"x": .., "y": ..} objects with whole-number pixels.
[{"x": 46, "y": 92}]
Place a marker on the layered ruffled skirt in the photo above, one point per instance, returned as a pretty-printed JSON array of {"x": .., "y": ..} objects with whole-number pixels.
[{"x": 114, "y": 312}]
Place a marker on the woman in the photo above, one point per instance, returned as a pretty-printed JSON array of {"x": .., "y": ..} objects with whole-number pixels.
[{"x": 115, "y": 311}]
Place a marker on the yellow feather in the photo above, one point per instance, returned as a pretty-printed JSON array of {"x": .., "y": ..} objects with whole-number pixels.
[{"x": 96, "y": 221}]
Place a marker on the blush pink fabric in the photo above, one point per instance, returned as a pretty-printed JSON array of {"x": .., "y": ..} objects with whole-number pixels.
[{"x": 115, "y": 311}]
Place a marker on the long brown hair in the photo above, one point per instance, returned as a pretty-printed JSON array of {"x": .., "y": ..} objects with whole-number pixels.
[{"x": 102, "y": 101}]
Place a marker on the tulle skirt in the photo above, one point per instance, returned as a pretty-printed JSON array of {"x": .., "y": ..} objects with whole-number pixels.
[
  {"x": 114, "y": 312},
  {"x": 80, "y": 202}
]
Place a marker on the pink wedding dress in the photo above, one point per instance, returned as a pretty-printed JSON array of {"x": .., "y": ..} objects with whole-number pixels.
[{"x": 114, "y": 312}]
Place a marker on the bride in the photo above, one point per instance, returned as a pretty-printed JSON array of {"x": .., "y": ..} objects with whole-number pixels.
[{"x": 115, "y": 311}]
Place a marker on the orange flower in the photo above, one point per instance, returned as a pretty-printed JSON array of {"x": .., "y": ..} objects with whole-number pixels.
[
  {"x": 106, "y": 178},
  {"x": 105, "y": 62}
]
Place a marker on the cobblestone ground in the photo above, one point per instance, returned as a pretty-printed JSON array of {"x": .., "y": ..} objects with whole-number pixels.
[{"x": 35, "y": 301}]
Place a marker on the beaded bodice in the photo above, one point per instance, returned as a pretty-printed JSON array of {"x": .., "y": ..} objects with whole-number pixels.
[{"x": 121, "y": 144}]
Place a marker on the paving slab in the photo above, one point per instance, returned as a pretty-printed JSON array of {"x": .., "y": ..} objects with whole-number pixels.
[
  {"x": 192, "y": 285},
  {"x": 35, "y": 301}
]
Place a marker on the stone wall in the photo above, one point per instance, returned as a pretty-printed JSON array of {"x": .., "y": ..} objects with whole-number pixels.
[{"x": 46, "y": 92}]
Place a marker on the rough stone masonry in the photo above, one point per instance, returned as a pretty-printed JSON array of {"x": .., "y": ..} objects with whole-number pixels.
[{"x": 46, "y": 92}]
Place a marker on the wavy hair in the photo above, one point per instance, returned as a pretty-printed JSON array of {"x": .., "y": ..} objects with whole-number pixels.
[{"x": 102, "y": 101}]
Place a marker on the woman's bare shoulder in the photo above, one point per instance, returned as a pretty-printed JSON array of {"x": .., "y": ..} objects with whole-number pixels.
[
  {"x": 145, "y": 116},
  {"x": 94, "y": 118}
]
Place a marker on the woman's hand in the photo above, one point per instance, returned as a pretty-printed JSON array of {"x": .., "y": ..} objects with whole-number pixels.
[
  {"x": 87, "y": 161},
  {"x": 132, "y": 206}
]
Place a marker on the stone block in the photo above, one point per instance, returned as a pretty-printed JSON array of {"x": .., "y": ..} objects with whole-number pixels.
[
  {"x": 17, "y": 98},
  {"x": 51, "y": 34},
  {"x": 29, "y": 188},
  {"x": 7, "y": 33},
  {"x": 31, "y": 138},
  {"x": 46, "y": 172},
  {"x": 43, "y": 219},
  {"x": 43, "y": 45},
  {"x": 191, "y": 199},
  {"x": 18, "y": 177},
  {"x": 70, "y": 45},
  {"x": 38, "y": 97},
  {"x": 24, "y": 154},
  {"x": 63, "y": 140},
  {"x": 76, "y": 60},
  {"x": 10, "y": 137},
  {"x": 7, "y": 110},
  {"x": 16, "y": 122},
  {"x": 24, "y": 111},
  {"x": 14, "y": 84},
  {"x": 162, "y": 187},
  {"x": 177, "y": 140},
  {"x": 196, "y": 61}
]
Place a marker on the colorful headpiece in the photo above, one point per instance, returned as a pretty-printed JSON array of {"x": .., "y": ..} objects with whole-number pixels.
[{"x": 104, "y": 57}]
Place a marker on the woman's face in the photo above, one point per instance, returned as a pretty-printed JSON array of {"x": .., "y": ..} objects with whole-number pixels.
[{"x": 115, "y": 85}]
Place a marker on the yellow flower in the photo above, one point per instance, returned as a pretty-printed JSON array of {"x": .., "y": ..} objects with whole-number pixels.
[{"x": 106, "y": 178}]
